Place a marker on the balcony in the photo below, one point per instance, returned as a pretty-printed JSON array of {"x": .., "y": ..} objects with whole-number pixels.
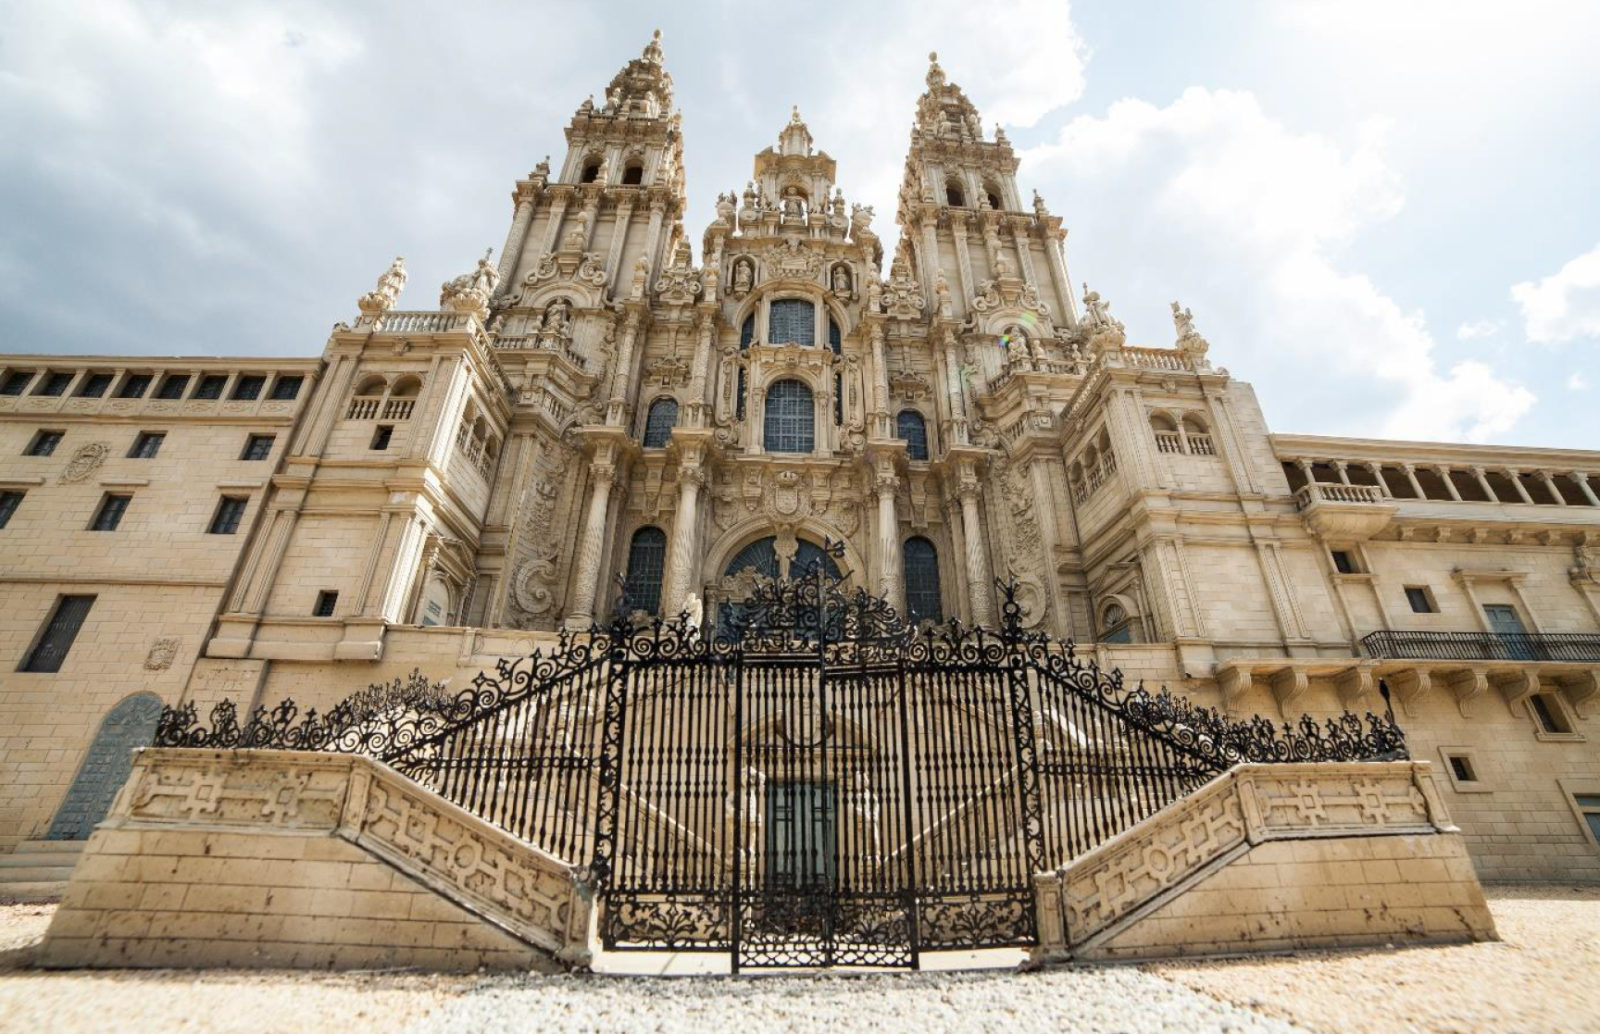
[
  {"x": 1344, "y": 511},
  {"x": 1577, "y": 647}
]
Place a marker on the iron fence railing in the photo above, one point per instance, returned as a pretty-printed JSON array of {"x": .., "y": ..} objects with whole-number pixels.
[{"x": 1483, "y": 646}]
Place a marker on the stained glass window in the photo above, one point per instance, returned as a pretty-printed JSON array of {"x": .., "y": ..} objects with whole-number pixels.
[
  {"x": 911, "y": 429},
  {"x": 658, "y": 425},
  {"x": 922, "y": 581},
  {"x": 791, "y": 418},
  {"x": 647, "y": 559},
  {"x": 794, "y": 321}
]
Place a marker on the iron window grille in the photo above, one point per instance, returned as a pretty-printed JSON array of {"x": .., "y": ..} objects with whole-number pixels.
[
  {"x": 660, "y": 421},
  {"x": 647, "y": 562},
  {"x": 16, "y": 382},
  {"x": 94, "y": 385},
  {"x": 146, "y": 445},
  {"x": 913, "y": 430},
  {"x": 230, "y": 511},
  {"x": 55, "y": 383},
  {"x": 790, "y": 418},
  {"x": 134, "y": 386},
  {"x": 173, "y": 386},
  {"x": 258, "y": 447},
  {"x": 285, "y": 389},
  {"x": 56, "y": 640},
  {"x": 44, "y": 443},
  {"x": 211, "y": 386},
  {"x": 923, "y": 601},
  {"x": 248, "y": 388},
  {"x": 112, "y": 507},
  {"x": 327, "y": 599},
  {"x": 793, "y": 321},
  {"x": 9, "y": 501}
]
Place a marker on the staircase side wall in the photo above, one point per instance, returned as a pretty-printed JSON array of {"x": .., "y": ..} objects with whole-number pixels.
[
  {"x": 1271, "y": 858},
  {"x": 293, "y": 859}
]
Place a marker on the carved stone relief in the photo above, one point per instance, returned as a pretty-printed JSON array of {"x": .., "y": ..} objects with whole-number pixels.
[{"x": 85, "y": 462}]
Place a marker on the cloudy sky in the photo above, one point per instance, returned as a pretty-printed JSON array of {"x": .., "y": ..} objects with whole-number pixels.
[{"x": 1384, "y": 213}]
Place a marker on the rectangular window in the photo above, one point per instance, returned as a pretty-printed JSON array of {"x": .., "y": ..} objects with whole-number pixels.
[
  {"x": 211, "y": 386},
  {"x": 1588, "y": 805},
  {"x": 94, "y": 385},
  {"x": 134, "y": 386},
  {"x": 327, "y": 599},
  {"x": 44, "y": 443},
  {"x": 1461, "y": 769},
  {"x": 173, "y": 386},
  {"x": 1552, "y": 717},
  {"x": 1343, "y": 562},
  {"x": 112, "y": 507},
  {"x": 54, "y": 384},
  {"x": 146, "y": 445},
  {"x": 9, "y": 501},
  {"x": 257, "y": 447},
  {"x": 286, "y": 388},
  {"x": 56, "y": 639},
  {"x": 230, "y": 511},
  {"x": 249, "y": 387},
  {"x": 380, "y": 437},
  {"x": 1420, "y": 600},
  {"x": 16, "y": 382}
]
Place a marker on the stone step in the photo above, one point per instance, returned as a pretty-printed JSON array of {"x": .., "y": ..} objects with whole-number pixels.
[
  {"x": 39, "y": 891},
  {"x": 72, "y": 847},
  {"x": 30, "y": 861},
  {"x": 34, "y": 874}
]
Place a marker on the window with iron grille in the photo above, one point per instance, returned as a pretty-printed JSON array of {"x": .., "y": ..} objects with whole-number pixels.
[
  {"x": 922, "y": 581},
  {"x": 134, "y": 386},
  {"x": 56, "y": 639},
  {"x": 747, "y": 332},
  {"x": 16, "y": 382},
  {"x": 660, "y": 421},
  {"x": 793, "y": 321},
  {"x": 94, "y": 385},
  {"x": 112, "y": 507},
  {"x": 327, "y": 599},
  {"x": 248, "y": 388},
  {"x": 55, "y": 384},
  {"x": 790, "y": 418},
  {"x": 286, "y": 388},
  {"x": 913, "y": 430},
  {"x": 647, "y": 560},
  {"x": 835, "y": 339},
  {"x": 44, "y": 443},
  {"x": 258, "y": 447},
  {"x": 172, "y": 387},
  {"x": 230, "y": 511},
  {"x": 147, "y": 444},
  {"x": 211, "y": 386},
  {"x": 9, "y": 501}
]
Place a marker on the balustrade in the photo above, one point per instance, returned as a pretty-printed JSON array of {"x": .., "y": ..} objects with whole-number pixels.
[
  {"x": 364, "y": 407},
  {"x": 1321, "y": 491}
]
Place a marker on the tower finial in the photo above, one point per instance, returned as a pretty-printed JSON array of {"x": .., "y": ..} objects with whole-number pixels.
[{"x": 652, "y": 50}]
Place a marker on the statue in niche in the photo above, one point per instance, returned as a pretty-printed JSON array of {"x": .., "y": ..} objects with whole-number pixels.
[
  {"x": 557, "y": 325},
  {"x": 743, "y": 276},
  {"x": 941, "y": 287},
  {"x": 841, "y": 281},
  {"x": 793, "y": 207},
  {"x": 575, "y": 238}
]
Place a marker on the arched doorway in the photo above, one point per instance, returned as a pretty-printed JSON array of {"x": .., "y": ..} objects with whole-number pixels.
[
  {"x": 763, "y": 559},
  {"x": 132, "y": 723}
]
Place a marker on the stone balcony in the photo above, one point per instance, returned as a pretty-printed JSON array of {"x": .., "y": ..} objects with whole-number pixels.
[
  {"x": 1483, "y": 646},
  {"x": 1344, "y": 511}
]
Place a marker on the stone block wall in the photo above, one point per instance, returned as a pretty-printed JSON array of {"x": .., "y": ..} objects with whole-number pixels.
[
  {"x": 281, "y": 858},
  {"x": 1272, "y": 858}
]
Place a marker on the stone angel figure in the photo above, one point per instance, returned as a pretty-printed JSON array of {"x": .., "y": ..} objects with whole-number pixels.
[{"x": 383, "y": 297}]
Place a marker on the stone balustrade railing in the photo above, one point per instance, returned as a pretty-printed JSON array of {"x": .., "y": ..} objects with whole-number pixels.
[
  {"x": 1443, "y": 482},
  {"x": 1318, "y": 492}
]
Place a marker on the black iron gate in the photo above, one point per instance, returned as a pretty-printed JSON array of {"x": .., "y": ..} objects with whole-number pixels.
[{"x": 819, "y": 785}]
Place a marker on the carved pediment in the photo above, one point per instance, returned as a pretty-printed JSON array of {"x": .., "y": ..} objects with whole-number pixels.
[{"x": 793, "y": 259}]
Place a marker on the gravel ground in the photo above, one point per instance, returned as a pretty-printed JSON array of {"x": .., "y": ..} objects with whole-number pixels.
[{"x": 1542, "y": 977}]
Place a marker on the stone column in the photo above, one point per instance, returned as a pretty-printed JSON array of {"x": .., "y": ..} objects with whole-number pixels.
[
  {"x": 586, "y": 575},
  {"x": 958, "y": 398},
  {"x": 619, "y": 237},
  {"x": 617, "y": 411},
  {"x": 1383, "y": 486},
  {"x": 1516, "y": 483},
  {"x": 1550, "y": 483},
  {"x": 880, "y": 384},
  {"x": 978, "y": 580},
  {"x": 891, "y": 571},
  {"x": 558, "y": 210},
  {"x": 1449, "y": 484},
  {"x": 1411, "y": 476},
  {"x": 516, "y": 237},
  {"x": 958, "y": 228},
  {"x": 1581, "y": 479},
  {"x": 652, "y": 240},
  {"x": 699, "y": 372},
  {"x": 1339, "y": 466},
  {"x": 1483, "y": 483},
  {"x": 680, "y": 554}
]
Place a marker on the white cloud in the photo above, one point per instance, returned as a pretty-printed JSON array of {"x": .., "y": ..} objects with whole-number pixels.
[
  {"x": 1563, "y": 306},
  {"x": 1577, "y": 382},
  {"x": 1479, "y": 329},
  {"x": 1211, "y": 199}
]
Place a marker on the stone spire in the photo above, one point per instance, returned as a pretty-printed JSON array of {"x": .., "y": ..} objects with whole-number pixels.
[
  {"x": 944, "y": 111},
  {"x": 643, "y": 89}
]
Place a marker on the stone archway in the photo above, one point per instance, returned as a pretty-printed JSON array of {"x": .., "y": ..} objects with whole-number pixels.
[{"x": 131, "y": 724}]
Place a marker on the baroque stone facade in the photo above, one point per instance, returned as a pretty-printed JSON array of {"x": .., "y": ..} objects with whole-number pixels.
[{"x": 444, "y": 487}]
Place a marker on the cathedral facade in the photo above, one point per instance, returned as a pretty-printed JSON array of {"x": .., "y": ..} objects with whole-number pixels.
[{"x": 594, "y": 413}]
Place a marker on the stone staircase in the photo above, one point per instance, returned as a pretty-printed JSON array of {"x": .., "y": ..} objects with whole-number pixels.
[{"x": 38, "y": 870}]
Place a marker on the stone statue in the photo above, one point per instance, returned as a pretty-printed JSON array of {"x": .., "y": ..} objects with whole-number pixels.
[
  {"x": 860, "y": 220},
  {"x": 1096, "y": 311},
  {"x": 694, "y": 612},
  {"x": 641, "y": 277},
  {"x": 557, "y": 320},
  {"x": 941, "y": 287},
  {"x": 793, "y": 207},
  {"x": 1038, "y": 206},
  {"x": 542, "y": 170},
  {"x": 743, "y": 276},
  {"x": 470, "y": 292},
  {"x": 383, "y": 297},
  {"x": 1183, "y": 319},
  {"x": 841, "y": 281},
  {"x": 725, "y": 207},
  {"x": 838, "y": 205},
  {"x": 575, "y": 237}
]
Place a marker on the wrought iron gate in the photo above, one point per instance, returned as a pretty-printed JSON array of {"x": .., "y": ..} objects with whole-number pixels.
[{"x": 818, "y": 785}]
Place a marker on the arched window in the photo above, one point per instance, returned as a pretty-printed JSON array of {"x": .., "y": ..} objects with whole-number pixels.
[
  {"x": 991, "y": 193},
  {"x": 791, "y": 418},
  {"x": 1197, "y": 437},
  {"x": 647, "y": 559},
  {"x": 835, "y": 339},
  {"x": 794, "y": 321},
  {"x": 747, "y": 333},
  {"x": 761, "y": 558},
  {"x": 1166, "y": 433},
  {"x": 953, "y": 195},
  {"x": 910, "y": 428},
  {"x": 922, "y": 581},
  {"x": 660, "y": 421},
  {"x": 591, "y": 170},
  {"x": 633, "y": 173},
  {"x": 1114, "y": 624}
]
